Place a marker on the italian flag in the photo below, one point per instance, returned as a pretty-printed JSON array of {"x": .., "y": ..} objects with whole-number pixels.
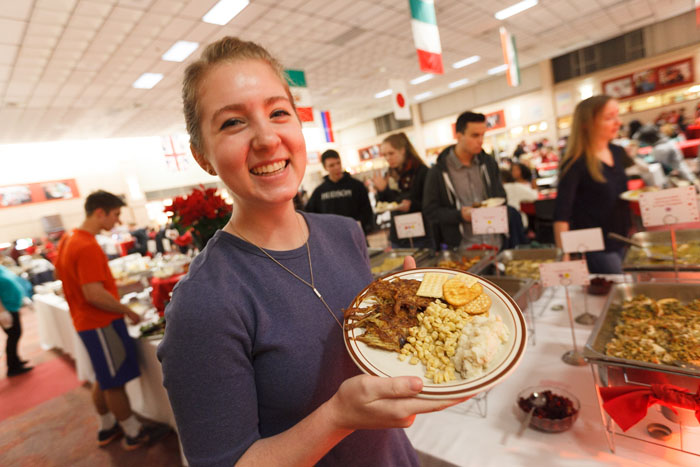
[
  {"x": 426, "y": 36},
  {"x": 302, "y": 97},
  {"x": 510, "y": 57}
]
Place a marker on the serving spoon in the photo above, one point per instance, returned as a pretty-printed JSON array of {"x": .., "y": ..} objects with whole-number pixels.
[
  {"x": 539, "y": 401},
  {"x": 648, "y": 253}
]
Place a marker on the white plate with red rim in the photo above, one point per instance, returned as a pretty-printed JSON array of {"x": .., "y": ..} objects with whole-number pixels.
[
  {"x": 385, "y": 363},
  {"x": 493, "y": 202}
]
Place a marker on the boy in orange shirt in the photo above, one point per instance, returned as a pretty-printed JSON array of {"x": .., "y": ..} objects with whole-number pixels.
[{"x": 98, "y": 316}]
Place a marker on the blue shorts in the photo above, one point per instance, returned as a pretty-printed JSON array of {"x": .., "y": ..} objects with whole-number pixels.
[{"x": 113, "y": 354}]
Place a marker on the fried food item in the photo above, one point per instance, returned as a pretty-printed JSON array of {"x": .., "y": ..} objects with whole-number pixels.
[
  {"x": 463, "y": 264},
  {"x": 478, "y": 306},
  {"x": 458, "y": 293},
  {"x": 387, "y": 322}
]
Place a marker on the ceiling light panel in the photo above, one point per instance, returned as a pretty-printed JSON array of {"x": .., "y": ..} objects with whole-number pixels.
[
  {"x": 466, "y": 62},
  {"x": 224, "y": 11},
  {"x": 518, "y": 8},
  {"x": 179, "y": 51},
  {"x": 147, "y": 80}
]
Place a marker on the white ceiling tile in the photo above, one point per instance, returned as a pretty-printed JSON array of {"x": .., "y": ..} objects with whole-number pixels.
[
  {"x": 138, "y": 4},
  {"x": 195, "y": 9},
  {"x": 39, "y": 41},
  {"x": 168, "y": 6},
  {"x": 92, "y": 9},
  {"x": 85, "y": 22},
  {"x": 7, "y": 54},
  {"x": 58, "y": 18},
  {"x": 201, "y": 32},
  {"x": 11, "y": 31},
  {"x": 39, "y": 102},
  {"x": 16, "y": 9},
  {"x": 129, "y": 15},
  {"x": 177, "y": 29}
]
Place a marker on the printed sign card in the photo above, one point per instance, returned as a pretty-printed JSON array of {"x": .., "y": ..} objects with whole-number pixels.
[
  {"x": 564, "y": 273},
  {"x": 409, "y": 225},
  {"x": 582, "y": 240},
  {"x": 671, "y": 206},
  {"x": 490, "y": 220}
]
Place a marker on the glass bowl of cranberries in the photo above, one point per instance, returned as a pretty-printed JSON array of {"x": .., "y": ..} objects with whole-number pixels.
[{"x": 558, "y": 413}]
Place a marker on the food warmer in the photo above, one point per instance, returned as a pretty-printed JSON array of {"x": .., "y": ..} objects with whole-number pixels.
[{"x": 661, "y": 425}]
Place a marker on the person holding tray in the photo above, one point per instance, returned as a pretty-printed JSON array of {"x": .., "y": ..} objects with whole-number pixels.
[
  {"x": 591, "y": 180},
  {"x": 253, "y": 356}
]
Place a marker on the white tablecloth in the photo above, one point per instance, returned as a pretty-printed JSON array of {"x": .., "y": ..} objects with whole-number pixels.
[
  {"x": 146, "y": 393},
  {"x": 470, "y": 440}
]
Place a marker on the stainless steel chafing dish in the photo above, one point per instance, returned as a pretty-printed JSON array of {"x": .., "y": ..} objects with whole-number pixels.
[
  {"x": 609, "y": 371},
  {"x": 486, "y": 257},
  {"x": 604, "y": 329},
  {"x": 498, "y": 267},
  {"x": 381, "y": 263},
  {"x": 636, "y": 259},
  {"x": 517, "y": 288}
]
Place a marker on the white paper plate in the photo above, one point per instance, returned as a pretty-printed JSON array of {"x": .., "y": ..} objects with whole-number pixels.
[
  {"x": 633, "y": 195},
  {"x": 378, "y": 362},
  {"x": 493, "y": 202}
]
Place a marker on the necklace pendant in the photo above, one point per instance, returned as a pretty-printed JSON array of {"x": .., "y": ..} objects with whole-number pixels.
[{"x": 318, "y": 294}]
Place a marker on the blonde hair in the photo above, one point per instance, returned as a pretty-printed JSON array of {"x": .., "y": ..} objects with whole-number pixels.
[
  {"x": 226, "y": 50},
  {"x": 581, "y": 137}
]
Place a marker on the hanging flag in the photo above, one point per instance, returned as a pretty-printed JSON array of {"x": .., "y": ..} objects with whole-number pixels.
[
  {"x": 400, "y": 99},
  {"x": 510, "y": 57},
  {"x": 697, "y": 12},
  {"x": 302, "y": 97},
  {"x": 426, "y": 36},
  {"x": 327, "y": 126}
]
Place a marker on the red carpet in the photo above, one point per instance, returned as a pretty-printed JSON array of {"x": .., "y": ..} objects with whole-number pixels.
[{"x": 46, "y": 381}]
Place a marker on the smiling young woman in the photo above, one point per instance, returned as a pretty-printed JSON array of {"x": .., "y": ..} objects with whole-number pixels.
[{"x": 253, "y": 356}]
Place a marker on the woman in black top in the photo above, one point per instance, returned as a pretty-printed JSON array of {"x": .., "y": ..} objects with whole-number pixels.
[
  {"x": 402, "y": 184},
  {"x": 591, "y": 179}
]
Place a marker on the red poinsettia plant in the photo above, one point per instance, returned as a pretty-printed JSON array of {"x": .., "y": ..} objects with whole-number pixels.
[{"x": 201, "y": 213}]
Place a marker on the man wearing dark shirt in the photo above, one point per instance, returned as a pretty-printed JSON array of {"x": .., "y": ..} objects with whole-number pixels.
[
  {"x": 464, "y": 175},
  {"x": 341, "y": 194}
]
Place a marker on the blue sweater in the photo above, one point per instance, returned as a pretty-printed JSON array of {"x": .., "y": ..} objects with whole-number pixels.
[{"x": 249, "y": 350}]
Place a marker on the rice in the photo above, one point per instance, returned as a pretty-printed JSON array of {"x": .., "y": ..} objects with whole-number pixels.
[{"x": 481, "y": 340}]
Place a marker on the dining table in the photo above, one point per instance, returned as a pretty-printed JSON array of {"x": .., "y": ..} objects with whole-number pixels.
[
  {"x": 146, "y": 393},
  {"x": 483, "y": 430}
]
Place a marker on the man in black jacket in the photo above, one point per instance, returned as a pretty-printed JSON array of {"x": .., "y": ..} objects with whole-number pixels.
[
  {"x": 341, "y": 194},
  {"x": 463, "y": 175}
]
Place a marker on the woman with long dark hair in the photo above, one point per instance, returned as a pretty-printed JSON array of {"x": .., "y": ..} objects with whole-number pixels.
[
  {"x": 592, "y": 177},
  {"x": 403, "y": 183}
]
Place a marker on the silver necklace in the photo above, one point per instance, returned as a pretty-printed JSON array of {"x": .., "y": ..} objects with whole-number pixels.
[{"x": 311, "y": 271}]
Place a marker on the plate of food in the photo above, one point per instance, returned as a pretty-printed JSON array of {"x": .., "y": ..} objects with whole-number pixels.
[
  {"x": 633, "y": 195},
  {"x": 491, "y": 203},
  {"x": 457, "y": 331}
]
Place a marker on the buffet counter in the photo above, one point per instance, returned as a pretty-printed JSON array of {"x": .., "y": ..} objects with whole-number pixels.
[
  {"x": 479, "y": 432},
  {"x": 460, "y": 435}
]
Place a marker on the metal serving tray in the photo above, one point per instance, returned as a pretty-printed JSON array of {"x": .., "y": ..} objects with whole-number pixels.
[
  {"x": 604, "y": 330},
  {"x": 418, "y": 254},
  {"x": 507, "y": 256},
  {"x": 487, "y": 256},
  {"x": 517, "y": 288},
  {"x": 661, "y": 237}
]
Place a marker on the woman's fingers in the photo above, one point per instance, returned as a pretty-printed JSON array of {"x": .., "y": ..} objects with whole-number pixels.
[{"x": 409, "y": 263}]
